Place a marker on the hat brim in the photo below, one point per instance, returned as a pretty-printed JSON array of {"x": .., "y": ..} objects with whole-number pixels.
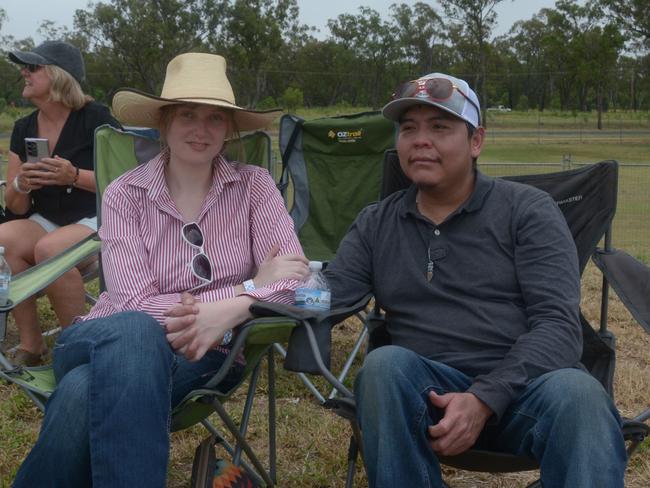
[
  {"x": 136, "y": 108},
  {"x": 25, "y": 57},
  {"x": 394, "y": 110}
]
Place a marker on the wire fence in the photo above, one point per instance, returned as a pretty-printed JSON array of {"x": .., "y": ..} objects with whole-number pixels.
[
  {"x": 580, "y": 135},
  {"x": 631, "y": 230}
]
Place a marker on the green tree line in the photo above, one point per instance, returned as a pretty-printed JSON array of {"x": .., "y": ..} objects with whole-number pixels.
[{"x": 579, "y": 56}]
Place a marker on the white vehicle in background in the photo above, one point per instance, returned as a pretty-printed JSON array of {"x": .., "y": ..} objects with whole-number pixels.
[{"x": 499, "y": 108}]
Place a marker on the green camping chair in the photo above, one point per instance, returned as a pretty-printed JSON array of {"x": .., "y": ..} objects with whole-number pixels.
[
  {"x": 331, "y": 169},
  {"x": 117, "y": 151},
  {"x": 334, "y": 164}
]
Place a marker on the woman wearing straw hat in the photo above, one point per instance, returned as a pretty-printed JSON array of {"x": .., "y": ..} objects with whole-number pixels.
[
  {"x": 59, "y": 191},
  {"x": 190, "y": 240}
]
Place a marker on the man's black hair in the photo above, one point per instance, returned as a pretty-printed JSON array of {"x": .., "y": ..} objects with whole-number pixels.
[{"x": 470, "y": 132}]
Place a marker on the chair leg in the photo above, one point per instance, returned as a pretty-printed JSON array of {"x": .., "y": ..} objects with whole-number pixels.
[
  {"x": 3, "y": 325},
  {"x": 241, "y": 441},
  {"x": 303, "y": 377},
  {"x": 353, "y": 451},
  {"x": 39, "y": 401},
  {"x": 230, "y": 449},
  {"x": 353, "y": 354},
  {"x": 272, "y": 420},
  {"x": 248, "y": 406}
]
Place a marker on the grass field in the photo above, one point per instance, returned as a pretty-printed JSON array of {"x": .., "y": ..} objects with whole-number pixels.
[{"x": 312, "y": 442}]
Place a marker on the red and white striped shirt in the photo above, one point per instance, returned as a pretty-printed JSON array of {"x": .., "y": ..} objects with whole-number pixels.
[{"x": 146, "y": 260}]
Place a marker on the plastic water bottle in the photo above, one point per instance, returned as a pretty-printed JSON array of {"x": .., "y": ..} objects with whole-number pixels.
[
  {"x": 313, "y": 293},
  {"x": 5, "y": 278}
]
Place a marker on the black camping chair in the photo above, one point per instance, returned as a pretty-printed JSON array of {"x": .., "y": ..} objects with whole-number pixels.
[
  {"x": 630, "y": 279},
  {"x": 587, "y": 198}
]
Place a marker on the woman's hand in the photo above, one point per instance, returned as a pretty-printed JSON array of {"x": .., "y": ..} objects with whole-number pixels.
[
  {"x": 27, "y": 175},
  {"x": 182, "y": 315},
  {"x": 48, "y": 172},
  {"x": 192, "y": 333},
  {"x": 285, "y": 267}
]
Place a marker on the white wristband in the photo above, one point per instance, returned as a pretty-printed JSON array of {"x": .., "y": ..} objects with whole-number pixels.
[
  {"x": 249, "y": 285},
  {"x": 18, "y": 188}
]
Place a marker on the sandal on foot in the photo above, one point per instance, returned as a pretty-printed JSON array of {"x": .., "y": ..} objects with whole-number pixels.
[{"x": 26, "y": 358}]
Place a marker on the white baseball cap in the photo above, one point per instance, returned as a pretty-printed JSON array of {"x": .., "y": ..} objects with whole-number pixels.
[{"x": 450, "y": 94}]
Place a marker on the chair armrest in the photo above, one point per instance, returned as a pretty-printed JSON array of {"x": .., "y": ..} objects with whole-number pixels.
[
  {"x": 36, "y": 278},
  {"x": 331, "y": 317},
  {"x": 309, "y": 349},
  {"x": 630, "y": 279}
]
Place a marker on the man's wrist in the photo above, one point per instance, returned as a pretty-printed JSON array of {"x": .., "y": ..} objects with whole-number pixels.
[{"x": 483, "y": 407}]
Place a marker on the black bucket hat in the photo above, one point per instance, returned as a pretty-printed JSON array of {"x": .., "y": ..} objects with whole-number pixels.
[{"x": 58, "y": 53}]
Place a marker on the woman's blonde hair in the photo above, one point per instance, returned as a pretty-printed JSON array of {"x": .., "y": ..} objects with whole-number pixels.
[
  {"x": 65, "y": 89},
  {"x": 167, "y": 113}
]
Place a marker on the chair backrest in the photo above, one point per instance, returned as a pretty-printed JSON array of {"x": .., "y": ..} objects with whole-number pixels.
[
  {"x": 117, "y": 151},
  {"x": 335, "y": 167},
  {"x": 587, "y": 198}
]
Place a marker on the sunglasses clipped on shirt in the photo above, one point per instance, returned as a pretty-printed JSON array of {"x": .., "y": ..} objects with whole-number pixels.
[
  {"x": 439, "y": 90},
  {"x": 200, "y": 264}
]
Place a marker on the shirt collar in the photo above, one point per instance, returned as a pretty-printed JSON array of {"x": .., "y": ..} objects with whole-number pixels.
[
  {"x": 153, "y": 176},
  {"x": 483, "y": 186}
]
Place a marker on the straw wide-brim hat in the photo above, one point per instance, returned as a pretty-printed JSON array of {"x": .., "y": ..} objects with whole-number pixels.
[{"x": 190, "y": 78}]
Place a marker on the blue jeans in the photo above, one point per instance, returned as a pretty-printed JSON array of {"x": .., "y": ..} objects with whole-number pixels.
[
  {"x": 563, "y": 419},
  {"x": 107, "y": 423}
]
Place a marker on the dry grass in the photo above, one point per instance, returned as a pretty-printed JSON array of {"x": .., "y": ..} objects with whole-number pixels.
[{"x": 312, "y": 442}]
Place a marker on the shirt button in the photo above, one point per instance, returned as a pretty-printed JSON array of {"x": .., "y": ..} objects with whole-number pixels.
[{"x": 437, "y": 232}]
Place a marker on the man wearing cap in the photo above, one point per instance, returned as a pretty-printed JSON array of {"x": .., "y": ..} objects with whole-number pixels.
[{"x": 480, "y": 284}]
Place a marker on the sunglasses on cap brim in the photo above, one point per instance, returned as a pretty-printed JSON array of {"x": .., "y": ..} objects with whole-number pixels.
[{"x": 439, "y": 90}]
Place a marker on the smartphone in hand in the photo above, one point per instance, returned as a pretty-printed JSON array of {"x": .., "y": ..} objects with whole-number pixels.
[{"x": 36, "y": 149}]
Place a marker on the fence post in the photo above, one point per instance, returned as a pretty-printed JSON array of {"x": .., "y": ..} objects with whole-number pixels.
[
  {"x": 620, "y": 131},
  {"x": 566, "y": 162}
]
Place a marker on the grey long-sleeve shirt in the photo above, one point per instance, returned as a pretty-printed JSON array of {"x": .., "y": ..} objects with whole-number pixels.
[{"x": 502, "y": 304}]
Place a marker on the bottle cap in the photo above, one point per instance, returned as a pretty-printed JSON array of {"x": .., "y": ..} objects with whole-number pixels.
[
  {"x": 2, "y": 249},
  {"x": 315, "y": 265}
]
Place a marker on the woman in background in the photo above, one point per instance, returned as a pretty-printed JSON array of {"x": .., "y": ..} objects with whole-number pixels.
[{"x": 58, "y": 191}]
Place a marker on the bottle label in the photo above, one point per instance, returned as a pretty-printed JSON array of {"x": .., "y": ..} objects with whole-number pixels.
[
  {"x": 4, "y": 282},
  {"x": 313, "y": 299}
]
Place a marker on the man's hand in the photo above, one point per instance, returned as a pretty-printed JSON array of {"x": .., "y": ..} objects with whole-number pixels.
[{"x": 463, "y": 420}]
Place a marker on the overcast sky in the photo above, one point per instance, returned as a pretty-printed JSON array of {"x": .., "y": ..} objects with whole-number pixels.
[{"x": 24, "y": 16}]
